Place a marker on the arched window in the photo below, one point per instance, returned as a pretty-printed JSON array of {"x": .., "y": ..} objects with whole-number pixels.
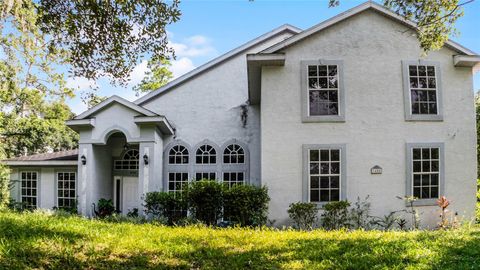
[
  {"x": 234, "y": 165},
  {"x": 178, "y": 155},
  {"x": 131, "y": 154},
  {"x": 234, "y": 154},
  {"x": 206, "y": 154},
  {"x": 129, "y": 160}
]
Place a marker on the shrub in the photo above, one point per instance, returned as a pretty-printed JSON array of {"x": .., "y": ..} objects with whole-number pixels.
[
  {"x": 478, "y": 201},
  {"x": 205, "y": 200},
  {"x": 335, "y": 215},
  {"x": 165, "y": 205},
  {"x": 5, "y": 186},
  {"x": 246, "y": 205},
  {"x": 104, "y": 208},
  {"x": 303, "y": 214},
  {"x": 360, "y": 214}
]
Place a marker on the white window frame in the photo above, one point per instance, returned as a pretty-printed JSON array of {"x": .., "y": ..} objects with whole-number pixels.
[
  {"x": 63, "y": 188},
  {"x": 306, "y": 170},
  {"x": 306, "y": 117},
  {"x": 37, "y": 187},
  {"x": 410, "y": 174},
  {"x": 176, "y": 167},
  {"x": 407, "y": 92},
  {"x": 236, "y": 167}
]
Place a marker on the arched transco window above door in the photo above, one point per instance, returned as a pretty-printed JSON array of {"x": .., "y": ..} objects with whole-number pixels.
[{"x": 128, "y": 161}]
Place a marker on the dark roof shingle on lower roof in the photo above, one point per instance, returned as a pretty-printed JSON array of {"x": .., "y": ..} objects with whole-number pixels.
[{"x": 61, "y": 155}]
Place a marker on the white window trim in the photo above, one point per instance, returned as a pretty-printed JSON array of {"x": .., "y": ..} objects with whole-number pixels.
[
  {"x": 306, "y": 117},
  {"x": 306, "y": 169},
  {"x": 56, "y": 184},
  {"x": 409, "y": 172},
  {"x": 38, "y": 188},
  {"x": 236, "y": 167},
  {"x": 407, "y": 93}
]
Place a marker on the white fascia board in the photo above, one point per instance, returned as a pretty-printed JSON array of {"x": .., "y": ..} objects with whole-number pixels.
[
  {"x": 37, "y": 163},
  {"x": 160, "y": 121},
  {"x": 119, "y": 100},
  {"x": 466, "y": 60},
  {"x": 349, "y": 13}
]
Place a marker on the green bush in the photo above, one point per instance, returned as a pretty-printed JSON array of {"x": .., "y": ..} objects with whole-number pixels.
[
  {"x": 246, "y": 205},
  {"x": 478, "y": 201},
  {"x": 205, "y": 200},
  {"x": 165, "y": 205},
  {"x": 303, "y": 214},
  {"x": 5, "y": 186},
  {"x": 104, "y": 208},
  {"x": 335, "y": 215}
]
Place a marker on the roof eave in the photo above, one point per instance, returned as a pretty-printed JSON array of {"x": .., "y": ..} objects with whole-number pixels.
[
  {"x": 36, "y": 163},
  {"x": 102, "y": 105},
  {"x": 255, "y": 62},
  {"x": 159, "y": 121}
]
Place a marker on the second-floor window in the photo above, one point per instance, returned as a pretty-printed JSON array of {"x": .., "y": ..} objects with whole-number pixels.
[
  {"x": 323, "y": 98},
  {"x": 422, "y": 90}
]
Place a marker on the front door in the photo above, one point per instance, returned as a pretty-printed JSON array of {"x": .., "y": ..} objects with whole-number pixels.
[{"x": 126, "y": 193}]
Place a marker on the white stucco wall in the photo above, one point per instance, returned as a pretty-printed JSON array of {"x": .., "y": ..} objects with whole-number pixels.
[
  {"x": 208, "y": 107},
  {"x": 375, "y": 131},
  {"x": 46, "y": 184}
]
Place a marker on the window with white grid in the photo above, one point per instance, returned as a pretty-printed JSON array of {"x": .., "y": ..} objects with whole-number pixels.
[
  {"x": 323, "y": 90},
  {"x": 29, "y": 189},
  {"x": 66, "y": 190},
  {"x": 206, "y": 154},
  {"x": 129, "y": 160},
  {"x": 233, "y": 154},
  {"x": 324, "y": 174},
  {"x": 177, "y": 181},
  {"x": 425, "y": 172},
  {"x": 205, "y": 175},
  {"x": 231, "y": 179},
  {"x": 178, "y": 154},
  {"x": 423, "y": 89}
]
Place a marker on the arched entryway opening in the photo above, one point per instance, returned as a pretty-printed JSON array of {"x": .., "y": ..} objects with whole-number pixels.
[{"x": 117, "y": 172}]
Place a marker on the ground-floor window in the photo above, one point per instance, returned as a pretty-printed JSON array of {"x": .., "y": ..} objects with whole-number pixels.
[
  {"x": 425, "y": 170},
  {"x": 29, "y": 189},
  {"x": 231, "y": 179},
  {"x": 66, "y": 190},
  {"x": 324, "y": 173},
  {"x": 177, "y": 181},
  {"x": 205, "y": 175}
]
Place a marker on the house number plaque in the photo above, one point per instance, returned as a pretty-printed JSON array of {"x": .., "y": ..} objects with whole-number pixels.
[{"x": 376, "y": 170}]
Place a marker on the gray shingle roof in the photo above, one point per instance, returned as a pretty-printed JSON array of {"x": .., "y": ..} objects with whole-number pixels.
[{"x": 61, "y": 155}]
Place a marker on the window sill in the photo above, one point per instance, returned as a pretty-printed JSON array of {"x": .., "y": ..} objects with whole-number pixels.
[
  {"x": 424, "y": 118},
  {"x": 323, "y": 119},
  {"x": 423, "y": 202}
]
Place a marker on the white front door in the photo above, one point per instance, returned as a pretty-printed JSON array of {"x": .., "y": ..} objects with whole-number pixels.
[{"x": 130, "y": 194}]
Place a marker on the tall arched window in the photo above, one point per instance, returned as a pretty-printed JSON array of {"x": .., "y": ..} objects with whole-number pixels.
[
  {"x": 177, "y": 171},
  {"x": 234, "y": 165}
]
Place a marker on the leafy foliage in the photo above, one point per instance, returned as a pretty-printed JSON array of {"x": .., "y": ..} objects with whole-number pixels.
[
  {"x": 246, "y": 205},
  {"x": 335, "y": 215},
  {"x": 303, "y": 214},
  {"x": 164, "y": 205},
  {"x": 70, "y": 242},
  {"x": 205, "y": 200},
  {"x": 5, "y": 186},
  {"x": 478, "y": 201},
  {"x": 157, "y": 76},
  {"x": 104, "y": 208},
  {"x": 360, "y": 214},
  {"x": 108, "y": 37},
  {"x": 435, "y": 19}
]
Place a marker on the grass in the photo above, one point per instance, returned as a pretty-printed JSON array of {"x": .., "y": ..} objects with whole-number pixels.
[{"x": 39, "y": 241}]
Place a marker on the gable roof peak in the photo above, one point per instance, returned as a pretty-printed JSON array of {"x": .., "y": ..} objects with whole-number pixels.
[{"x": 115, "y": 99}]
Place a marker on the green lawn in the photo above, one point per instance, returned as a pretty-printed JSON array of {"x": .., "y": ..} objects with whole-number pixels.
[{"x": 46, "y": 242}]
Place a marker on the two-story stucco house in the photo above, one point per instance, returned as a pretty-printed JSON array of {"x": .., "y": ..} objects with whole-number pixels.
[{"x": 347, "y": 108}]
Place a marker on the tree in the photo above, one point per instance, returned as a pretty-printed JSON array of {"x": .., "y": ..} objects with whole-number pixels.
[
  {"x": 477, "y": 109},
  {"x": 435, "y": 19},
  {"x": 157, "y": 76},
  {"x": 91, "y": 99}
]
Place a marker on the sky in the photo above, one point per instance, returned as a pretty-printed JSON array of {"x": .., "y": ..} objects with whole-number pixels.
[{"x": 210, "y": 28}]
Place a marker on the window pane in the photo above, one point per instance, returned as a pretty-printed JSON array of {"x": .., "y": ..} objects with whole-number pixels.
[
  {"x": 314, "y": 182},
  {"x": 314, "y": 155},
  {"x": 335, "y": 155}
]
